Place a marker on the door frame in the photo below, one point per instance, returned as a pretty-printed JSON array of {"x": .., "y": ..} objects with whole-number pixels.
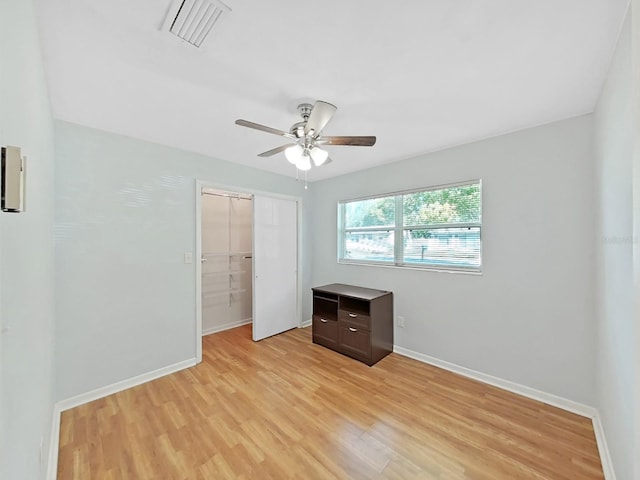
[{"x": 200, "y": 184}]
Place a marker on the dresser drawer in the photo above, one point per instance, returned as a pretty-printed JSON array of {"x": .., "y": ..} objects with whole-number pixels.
[
  {"x": 355, "y": 321},
  {"x": 325, "y": 331},
  {"x": 354, "y": 341},
  {"x": 358, "y": 319}
]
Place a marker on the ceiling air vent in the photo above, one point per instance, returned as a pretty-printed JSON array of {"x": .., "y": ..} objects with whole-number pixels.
[{"x": 193, "y": 20}]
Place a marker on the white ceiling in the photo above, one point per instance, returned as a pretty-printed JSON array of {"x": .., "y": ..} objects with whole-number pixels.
[{"x": 421, "y": 75}]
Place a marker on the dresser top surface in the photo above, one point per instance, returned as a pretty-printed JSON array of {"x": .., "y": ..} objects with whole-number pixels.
[{"x": 351, "y": 291}]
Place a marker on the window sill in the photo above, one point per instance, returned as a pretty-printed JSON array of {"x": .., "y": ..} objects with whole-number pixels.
[{"x": 464, "y": 271}]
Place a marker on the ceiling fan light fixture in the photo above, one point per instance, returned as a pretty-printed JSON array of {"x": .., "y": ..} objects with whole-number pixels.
[
  {"x": 304, "y": 163},
  {"x": 319, "y": 156},
  {"x": 294, "y": 154}
]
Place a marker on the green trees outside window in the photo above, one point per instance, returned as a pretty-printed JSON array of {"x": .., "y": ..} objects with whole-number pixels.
[{"x": 437, "y": 227}]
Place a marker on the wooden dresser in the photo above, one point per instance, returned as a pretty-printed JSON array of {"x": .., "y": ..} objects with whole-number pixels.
[{"x": 355, "y": 321}]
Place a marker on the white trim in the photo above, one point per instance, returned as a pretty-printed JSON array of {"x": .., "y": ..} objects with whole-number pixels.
[
  {"x": 299, "y": 233},
  {"x": 603, "y": 449},
  {"x": 54, "y": 444},
  {"x": 198, "y": 261},
  {"x": 123, "y": 385},
  {"x": 226, "y": 326},
  {"x": 548, "y": 398},
  {"x": 246, "y": 190},
  {"x": 406, "y": 266},
  {"x": 305, "y": 324}
]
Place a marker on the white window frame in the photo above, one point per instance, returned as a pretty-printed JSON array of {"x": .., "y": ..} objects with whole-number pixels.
[{"x": 399, "y": 230}]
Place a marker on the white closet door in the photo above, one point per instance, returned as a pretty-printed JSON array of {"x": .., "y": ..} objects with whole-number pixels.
[{"x": 275, "y": 266}]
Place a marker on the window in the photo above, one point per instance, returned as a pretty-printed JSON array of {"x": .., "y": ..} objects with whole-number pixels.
[{"x": 436, "y": 228}]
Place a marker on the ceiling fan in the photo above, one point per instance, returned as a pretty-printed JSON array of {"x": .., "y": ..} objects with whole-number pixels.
[{"x": 307, "y": 136}]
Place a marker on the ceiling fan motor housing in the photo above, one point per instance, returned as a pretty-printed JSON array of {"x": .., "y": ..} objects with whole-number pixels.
[
  {"x": 297, "y": 129},
  {"x": 305, "y": 110}
]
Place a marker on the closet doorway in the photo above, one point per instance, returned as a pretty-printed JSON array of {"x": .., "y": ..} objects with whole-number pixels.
[
  {"x": 226, "y": 259},
  {"x": 247, "y": 244}
]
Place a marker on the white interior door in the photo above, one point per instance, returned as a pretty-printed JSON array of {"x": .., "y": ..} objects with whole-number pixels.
[{"x": 275, "y": 266}]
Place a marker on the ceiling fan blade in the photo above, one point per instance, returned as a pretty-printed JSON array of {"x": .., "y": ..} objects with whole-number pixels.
[
  {"x": 351, "y": 141},
  {"x": 273, "y": 151},
  {"x": 320, "y": 116},
  {"x": 263, "y": 128}
]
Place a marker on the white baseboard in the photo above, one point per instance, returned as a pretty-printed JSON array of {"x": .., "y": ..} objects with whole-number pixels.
[
  {"x": 305, "y": 324},
  {"x": 61, "y": 406},
  {"x": 603, "y": 449},
  {"x": 123, "y": 385},
  {"x": 54, "y": 445},
  {"x": 226, "y": 326},
  {"x": 548, "y": 398}
]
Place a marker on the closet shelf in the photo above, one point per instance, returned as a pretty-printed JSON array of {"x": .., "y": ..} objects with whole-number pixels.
[
  {"x": 227, "y": 272},
  {"x": 221, "y": 293}
]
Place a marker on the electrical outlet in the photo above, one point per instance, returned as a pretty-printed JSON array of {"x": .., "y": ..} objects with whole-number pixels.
[
  {"x": 400, "y": 322},
  {"x": 188, "y": 257}
]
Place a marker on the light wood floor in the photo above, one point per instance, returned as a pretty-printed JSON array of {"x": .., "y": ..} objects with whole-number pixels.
[{"x": 285, "y": 408}]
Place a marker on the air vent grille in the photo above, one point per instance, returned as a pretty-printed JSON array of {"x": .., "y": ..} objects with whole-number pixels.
[{"x": 195, "y": 19}]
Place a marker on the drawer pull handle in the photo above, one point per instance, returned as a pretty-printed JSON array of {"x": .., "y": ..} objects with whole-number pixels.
[
  {"x": 351, "y": 329},
  {"x": 353, "y": 315},
  {"x": 323, "y": 320}
]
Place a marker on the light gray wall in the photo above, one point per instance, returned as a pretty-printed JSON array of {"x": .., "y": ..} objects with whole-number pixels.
[
  {"x": 614, "y": 247},
  {"x": 635, "y": 41},
  {"x": 125, "y": 215},
  {"x": 26, "y": 253},
  {"x": 529, "y": 317}
]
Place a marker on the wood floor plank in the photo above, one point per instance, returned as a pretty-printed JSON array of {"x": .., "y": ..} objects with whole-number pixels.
[{"x": 286, "y": 408}]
